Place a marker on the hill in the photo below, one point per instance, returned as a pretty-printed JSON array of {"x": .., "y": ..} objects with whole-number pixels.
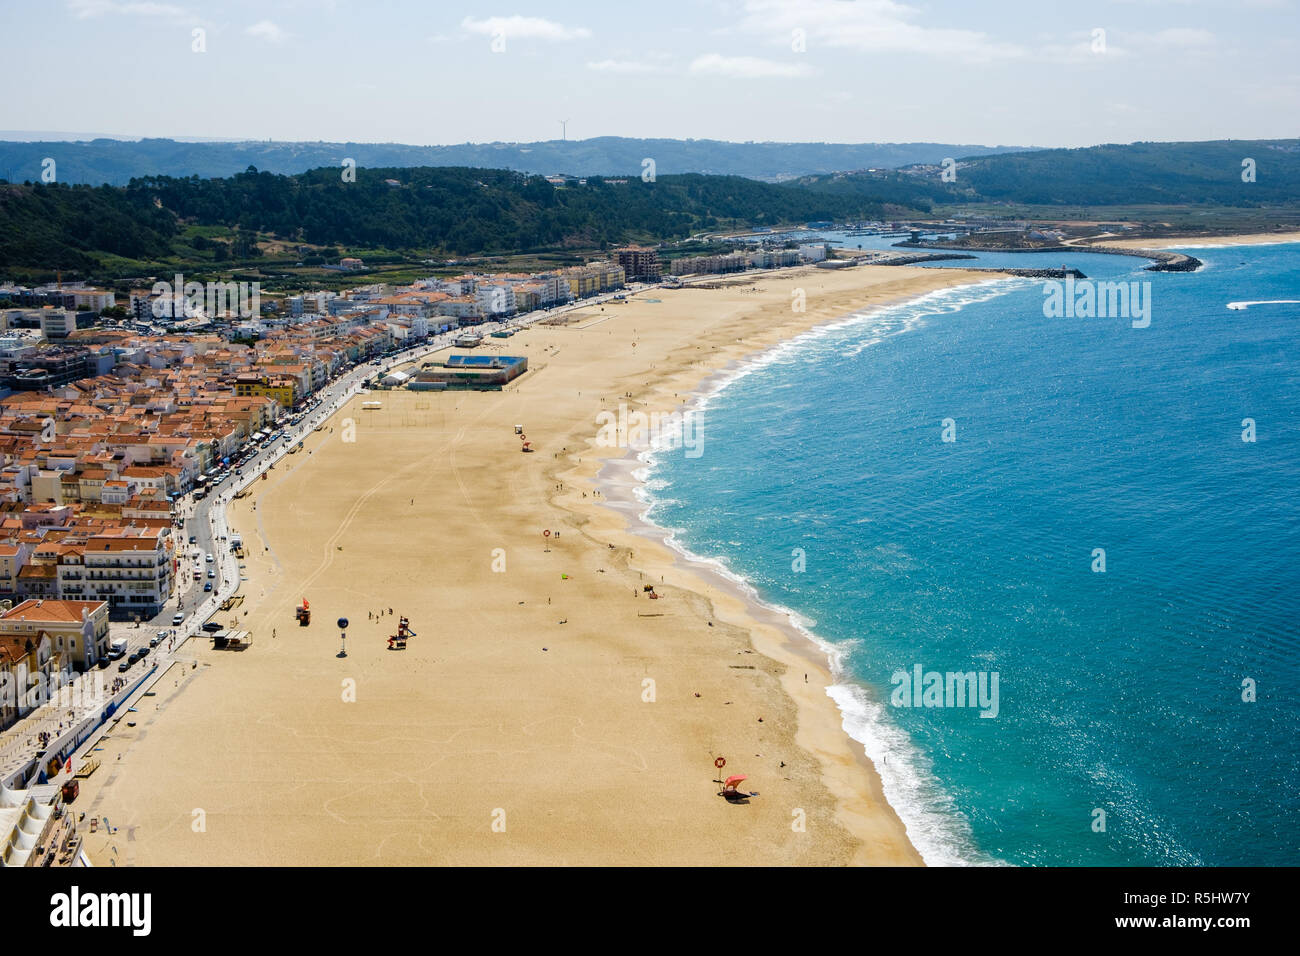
[
  {"x": 116, "y": 162},
  {"x": 1207, "y": 173},
  {"x": 444, "y": 211}
]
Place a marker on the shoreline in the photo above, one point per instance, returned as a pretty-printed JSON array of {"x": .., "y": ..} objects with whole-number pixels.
[
  {"x": 774, "y": 631},
  {"x": 779, "y": 632},
  {"x": 1209, "y": 242}
]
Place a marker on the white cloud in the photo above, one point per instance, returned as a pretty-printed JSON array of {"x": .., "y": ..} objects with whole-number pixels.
[
  {"x": 746, "y": 67},
  {"x": 1123, "y": 43},
  {"x": 266, "y": 30},
  {"x": 87, "y": 9},
  {"x": 624, "y": 66},
  {"x": 1182, "y": 38},
  {"x": 528, "y": 28},
  {"x": 869, "y": 26},
  {"x": 1079, "y": 48}
]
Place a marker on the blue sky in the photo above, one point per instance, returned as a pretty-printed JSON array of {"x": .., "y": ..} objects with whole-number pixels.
[{"x": 996, "y": 71}]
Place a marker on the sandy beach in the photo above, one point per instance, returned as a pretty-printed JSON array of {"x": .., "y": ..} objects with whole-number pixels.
[
  {"x": 1206, "y": 241},
  {"x": 547, "y": 710}
]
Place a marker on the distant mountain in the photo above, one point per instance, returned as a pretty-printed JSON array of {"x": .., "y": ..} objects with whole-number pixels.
[
  {"x": 116, "y": 162},
  {"x": 1207, "y": 173}
]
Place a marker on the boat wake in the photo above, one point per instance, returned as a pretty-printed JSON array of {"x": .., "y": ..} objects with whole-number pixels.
[{"x": 1242, "y": 306}]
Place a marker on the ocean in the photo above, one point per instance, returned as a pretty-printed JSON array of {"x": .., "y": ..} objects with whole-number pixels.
[{"x": 1097, "y": 520}]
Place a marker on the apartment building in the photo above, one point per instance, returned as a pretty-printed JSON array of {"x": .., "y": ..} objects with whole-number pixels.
[
  {"x": 639, "y": 263},
  {"x": 133, "y": 573}
]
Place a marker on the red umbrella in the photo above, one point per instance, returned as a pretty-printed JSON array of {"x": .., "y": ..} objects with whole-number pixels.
[{"x": 734, "y": 780}]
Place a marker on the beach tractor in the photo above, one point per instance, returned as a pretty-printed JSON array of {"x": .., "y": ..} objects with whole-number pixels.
[
  {"x": 303, "y": 613},
  {"x": 397, "y": 642}
]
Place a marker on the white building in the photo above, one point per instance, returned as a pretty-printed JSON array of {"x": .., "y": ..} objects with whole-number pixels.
[
  {"x": 93, "y": 300},
  {"x": 133, "y": 574},
  {"x": 58, "y": 323},
  {"x": 497, "y": 298}
]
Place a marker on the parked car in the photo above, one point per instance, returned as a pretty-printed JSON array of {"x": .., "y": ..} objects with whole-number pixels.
[
  {"x": 194, "y": 539},
  {"x": 143, "y": 652},
  {"x": 125, "y": 665},
  {"x": 207, "y": 586}
]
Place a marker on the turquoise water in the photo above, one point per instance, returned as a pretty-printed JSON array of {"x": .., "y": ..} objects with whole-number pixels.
[{"x": 1119, "y": 690}]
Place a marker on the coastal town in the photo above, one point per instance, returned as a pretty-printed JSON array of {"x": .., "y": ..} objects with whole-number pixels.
[{"x": 116, "y": 430}]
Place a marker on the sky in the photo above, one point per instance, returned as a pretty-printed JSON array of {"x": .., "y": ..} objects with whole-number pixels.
[{"x": 993, "y": 72}]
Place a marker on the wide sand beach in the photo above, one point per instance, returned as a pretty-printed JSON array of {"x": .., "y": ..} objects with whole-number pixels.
[{"x": 548, "y": 711}]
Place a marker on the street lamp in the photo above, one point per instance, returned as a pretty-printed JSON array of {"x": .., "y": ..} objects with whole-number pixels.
[{"x": 343, "y": 637}]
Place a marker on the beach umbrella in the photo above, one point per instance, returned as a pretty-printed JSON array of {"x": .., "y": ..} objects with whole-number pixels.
[{"x": 734, "y": 780}]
